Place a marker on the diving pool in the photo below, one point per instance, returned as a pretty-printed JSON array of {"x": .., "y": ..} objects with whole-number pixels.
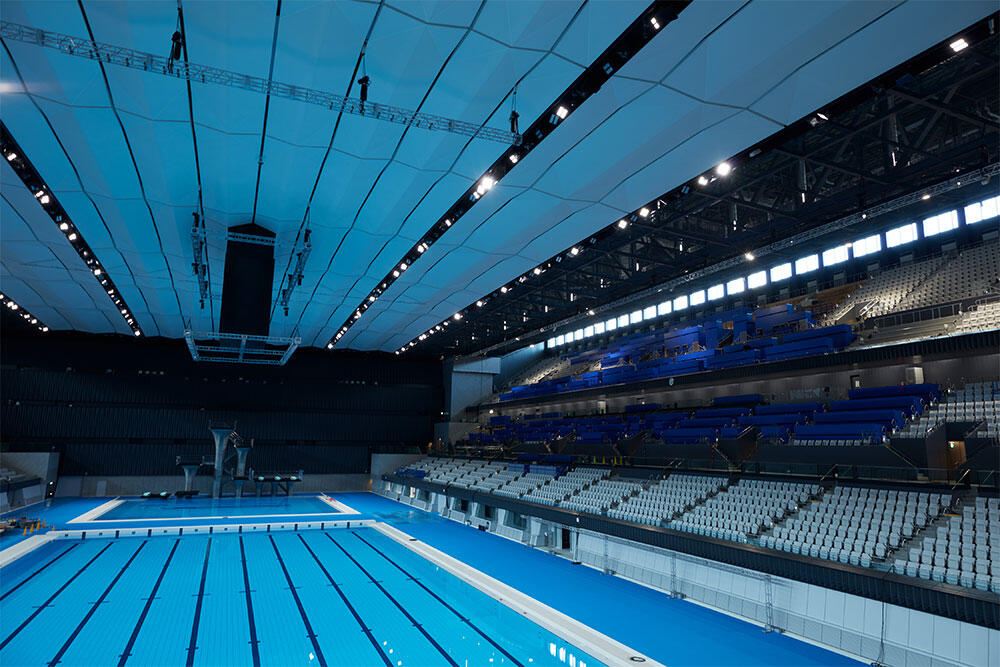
[{"x": 335, "y": 597}]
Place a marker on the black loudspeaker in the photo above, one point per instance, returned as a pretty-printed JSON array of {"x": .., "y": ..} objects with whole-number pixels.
[{"x": 246, "y": 287}]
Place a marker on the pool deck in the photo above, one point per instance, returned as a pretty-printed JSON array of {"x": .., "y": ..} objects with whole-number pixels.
[{"x": 671, "y": 631}]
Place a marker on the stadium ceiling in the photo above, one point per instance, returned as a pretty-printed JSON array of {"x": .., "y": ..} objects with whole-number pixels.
[{"x": 130, "y": 155}]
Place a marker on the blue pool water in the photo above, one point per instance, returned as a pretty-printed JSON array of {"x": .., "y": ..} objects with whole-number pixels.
[
  {"x": 338, "y": 597},
  {"x": 223, "y": 508}
]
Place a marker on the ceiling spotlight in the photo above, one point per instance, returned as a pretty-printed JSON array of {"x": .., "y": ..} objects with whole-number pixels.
[
  {"x": 395, "y": 273},
  {"x": 503, "y": 290},
  {"x": 479, "y": 304},
  {"x": 447, "y": 223},
  {"x": 97, "y": 272},
  {"x": 402, "y": 267},
  {"x": 44, "y": 199},
  {"x": 575, "y": 251},
  {"x": 926, "y": 196},
  {"x": 11, "y": 157},
  {"x": 622, "y": 224},
  {"x": 822, "y": 116},
  {"x": 562, "y": 112},
  {"x": 64, "y": 226},
  {"x": 653, "y": 22},
  {"x": 590, "y": 312},
  {"x": 537, "y": 271},
  {"x": 723, "y": 169},
  {"x": 329, "y": 346},
  {"x": 644, "y": 212},
  {"x": 702, "y": 180},
  {"x": 457, "y": 316},
  {"x": 45, "y": 328},
  {"x": 485, "y": 184},
  {"x": 749, "y": 256},
  {"x": 513, "y": 158},
  {"x": 138, "y": 333},
  {"x": 958, "y": 45},
  {"x": 39, "y": 194},
  {"x": 420, "y": 248},
  {"x": 371, "y": 299}
]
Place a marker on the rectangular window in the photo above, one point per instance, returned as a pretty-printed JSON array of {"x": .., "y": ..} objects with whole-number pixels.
[
  {"x": 867, "y": 245},
  {"x": 781, "y": 272},
  {"x": 578, "y": 335},
  {"x": 835, "y": 255},
  {"x": 983, "y": 210},
  {"x": 588, "y": 331},
  {"x": 623, "y": 320},
  {"x": 680, "y": 303},
  {"x": 611, "y": 324},
  {"x": 755, "y": 280},
  {"x": 664, "y": 308},
  {"x": 599, "y": 328},
  {"x": 901, "y": 235},
  {"x": 697, "y": 298},
  {"x": 806, "y": 264},
  {"x": 735, "y": 286},
  {"x": 649, "y": 312},
  {"x": 560, "y": 339},
  {"x": 716, "y": 292},
  {"x": 635, "y": 317},
  {"x": 552, "y": 342},
  {"x": 944, "y": 222}
]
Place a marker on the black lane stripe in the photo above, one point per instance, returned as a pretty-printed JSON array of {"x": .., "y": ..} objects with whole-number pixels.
[
  {"x": 193, "y": 644},
  {"x": 357, "y": 617},
  {"x": 412, "y": 620},
  {"x": 298, "y": 602},
  {"x": 93, "y": 608},
  {"x": 145, "y": 610},
  {"x": 246, "y": 591},
  {"x": 52, "y": 597},
  {"x": 39, "y": 570},
  {"x": 438, "y": 598}
]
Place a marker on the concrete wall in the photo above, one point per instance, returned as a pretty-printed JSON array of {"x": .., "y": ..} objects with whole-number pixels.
[
  {"x": 873, "y": 631},
  {"x": 100, "y": 486}
]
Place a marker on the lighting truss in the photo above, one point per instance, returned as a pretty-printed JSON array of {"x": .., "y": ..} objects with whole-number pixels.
[
  {"x": 626, "y": 45},
  {"x": 231, "y": 348},
  {"x": 32, "y": 180},
  {"x": 147, "y": 62},
  {"x": 18, "y": 309}
]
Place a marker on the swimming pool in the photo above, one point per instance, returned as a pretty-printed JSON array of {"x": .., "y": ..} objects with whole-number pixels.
[
  {"x": 156, "y": 509},
  {"x": 335, "y": 597}
]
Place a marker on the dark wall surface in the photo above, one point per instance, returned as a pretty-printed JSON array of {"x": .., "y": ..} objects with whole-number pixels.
[{"x": 114, "y": 406}]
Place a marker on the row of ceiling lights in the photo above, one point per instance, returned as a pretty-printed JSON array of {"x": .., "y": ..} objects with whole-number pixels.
[
  {"x": 26, "y": 171},
  {"x": 9, "y": 303},
  {"x": 547, "y": 122},
  {"x": 722, "y": 170}
]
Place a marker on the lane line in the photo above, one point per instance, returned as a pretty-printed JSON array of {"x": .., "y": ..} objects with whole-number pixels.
[
  {"x": 246, "y": 590},
  {"x": 145, "y": 610},
  {"x": 412, "y": 620},
  {"x": 52, "y": 597},
  {"x": 438, "y": 598},
  {"x": 298, "y": 602},
  {"x": 357, "y": 616},
  {"x": 92, "y": 514},
  {"x": 93, "y": 608},
  {"x": 39, "y": 570},
  {"x": 193, "y": 645}
]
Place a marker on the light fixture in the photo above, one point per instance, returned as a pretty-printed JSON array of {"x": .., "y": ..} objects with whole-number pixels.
[
  {"x": 574, "y": 251},
  {"x": 537, "y": 271},
  {"x": 395, "y": 273},
  {"x": 702, "y": 181},
  {"x": 926, "y": 196},
  {"x": 749, "y": 256},
  {"x": 457, "y": 316},
  {"x": 63, "y": 226},
  {"x": 44, "y": 199},
  {"x": 822, "y": 116},
  {"x": 503, "y": 290},
  {"x": 11, "y": 157},
  {"x": 622, "y": 224},
  {"x": 958, "y": 44},
  {"x": 653, "y": 22},
  {"x": 485, "y": 184},
  {"x": 97, "y": 272},
  {"x": 402, "y": 267},
  {"x": 479, "y": 303},
  {"x": 562, "y": 112},
  {"x": 644, "y": 212},
  {"x": 513, "y": 158},
  {"x": 723, "y": 169}
]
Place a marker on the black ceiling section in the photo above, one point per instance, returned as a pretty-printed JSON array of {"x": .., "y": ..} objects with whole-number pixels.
[
  {"x": 618, "y": 53},
  {"x": 26, "y": 171},
  {"x": 923, "y": 122}
]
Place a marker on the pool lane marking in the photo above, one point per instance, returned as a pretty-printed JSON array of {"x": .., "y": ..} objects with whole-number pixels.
[
  {"x": 53, "y": 597},
  {"x": 438, "y": 598},
  {"x": 39, "y": 570},
  {"x": 357, "y": 616},
  {"x": 92, "y": 514},
  {"x": 145, "y": 610},
  {"x": 246, "y": 590},
  {"x": 337, "y": 505},
  {"x": 298, "y": 603},
  {"x": 193, "y": 645},
  {"x": 93, "y": 608},
  {"x": 417, "y": 625},
  {"x": 217, "y": 516}
]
